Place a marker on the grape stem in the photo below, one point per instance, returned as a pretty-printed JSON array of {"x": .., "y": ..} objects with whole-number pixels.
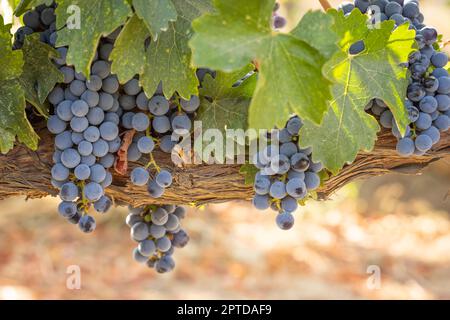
[
  {"x": 83, "y": 197},
  {"x": 177, "y": 101},
  {"x": 325, "y": 4},
  {"x": 153, "y": 163}
]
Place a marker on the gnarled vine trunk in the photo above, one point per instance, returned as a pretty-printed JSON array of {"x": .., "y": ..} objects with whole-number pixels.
[{"x": 25, "y": 172}]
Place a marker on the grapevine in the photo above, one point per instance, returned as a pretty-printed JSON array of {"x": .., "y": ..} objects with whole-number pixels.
[{"x": 111, "y": 107}]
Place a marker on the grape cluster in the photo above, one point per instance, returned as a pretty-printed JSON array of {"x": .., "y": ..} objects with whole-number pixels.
[
  {"x": 86, "y": 127},
  {"x": 85, "y": 139},
  {"x": 88, "y": 118},
  {"x": 287, "y": 174},
  {"x": 157, "y": 230},
  {"x": 41, "y": 20},
  {"x": 157, "y": 121},
  {"x": 428, "y": 95}
]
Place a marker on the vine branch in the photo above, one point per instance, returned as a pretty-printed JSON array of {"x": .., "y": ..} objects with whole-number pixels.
[
  {"x": 27, "y": 173},
  {"x": 325, "y": 4}
]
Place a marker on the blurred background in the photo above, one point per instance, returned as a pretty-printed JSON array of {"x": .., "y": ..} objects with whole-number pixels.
[{"x": 399, "y": 224}]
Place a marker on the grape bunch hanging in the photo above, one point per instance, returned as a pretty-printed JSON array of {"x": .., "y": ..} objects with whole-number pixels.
[
  {"x": 90, "y": 117},
  {"x": 157, "y": 230}
]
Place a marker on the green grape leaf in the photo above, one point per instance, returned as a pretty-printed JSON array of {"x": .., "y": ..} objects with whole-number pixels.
[
  {"x": 25, "y": 5},
  {"x": 249, "y": 172},
  {"x": 224, "y": 108},
  {"x": 37, "y": 56},
  {"x": 87, "y": 22},
  {"x": 6, "y": 140},
  {"x": 156, "y": 14},
  {"x": 290, "y": 78},
  {"x": 13, "y": 121},
  {"x": 374, "y": 73},
  {"x": 315, "y": 29},
  {"x": 349, "y": 29},
  {"x": 12, "y": 61},
  {"x": 128, "y": 55},
  {"x": 222, "y": 105},
  {"x": 290, "y": 82},
  {"x": 168, "y": 59}
]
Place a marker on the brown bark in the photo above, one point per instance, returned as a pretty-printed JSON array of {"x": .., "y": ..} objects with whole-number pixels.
[{"x": 27, "y": 173}]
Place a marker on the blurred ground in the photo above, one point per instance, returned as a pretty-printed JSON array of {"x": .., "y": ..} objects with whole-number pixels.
[{"x": 399, "y": 224}]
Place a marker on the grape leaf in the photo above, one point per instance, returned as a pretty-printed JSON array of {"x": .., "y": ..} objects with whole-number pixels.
[
  {"x": 156, "y": 14},
  {"x": 128, "y": 55},
  {"x": 249, "y": 172},
  {"x": 375, "y": 73},
  {"x": 97, "y": 18},
  {"x": 37, "y": 57},
  {"x": 168, "y": 58},
  {"x": 12, "y": 61},
  {"x": 315, "y": 29},
  {"x": 349, "y": 29},
  {"x": 13, "y": 120},
  {"x": 290, "y": 82},
  {"x": 6, "y": 140},
  {"x": 25, "y": 5},
  {"x": 222, "y": 105},
  {"x": 290, "y": 78}
]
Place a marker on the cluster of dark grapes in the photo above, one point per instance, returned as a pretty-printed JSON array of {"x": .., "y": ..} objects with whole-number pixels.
[
  {"x": 428, "y": 95},
  {"x": 287, "y": 174},
  {"x": 86, "y": 124},
  {"x": 156, "y": 120},
  {"x": 42, "y": 20},
  {"x": 157, "y": 230},
  {"x": 88, "y": 119}
]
